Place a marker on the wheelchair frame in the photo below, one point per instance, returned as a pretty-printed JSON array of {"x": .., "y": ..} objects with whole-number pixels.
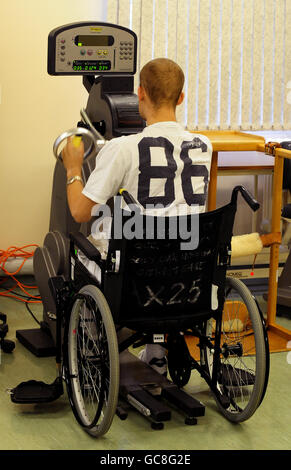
[
  {"x": 92, "y": 336},
  {"x": 209, "y": 365}
]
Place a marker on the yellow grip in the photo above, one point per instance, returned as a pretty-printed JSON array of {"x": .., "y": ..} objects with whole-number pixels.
[{"x": 77, "y": 140}]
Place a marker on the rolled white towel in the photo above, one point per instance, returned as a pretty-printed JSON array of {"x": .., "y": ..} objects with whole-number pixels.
[
  {"x": 244, "y": 245},
  {"x": 231, "y": 326}
]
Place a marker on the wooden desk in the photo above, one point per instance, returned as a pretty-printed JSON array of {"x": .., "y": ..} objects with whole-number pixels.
[
  {"x": 246, "y": 163},
  {"x": 233, "y": 141},
  {"x": 241, "y": 163}
]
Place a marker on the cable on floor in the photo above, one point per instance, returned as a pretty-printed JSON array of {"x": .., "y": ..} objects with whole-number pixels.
[{"x": 17, "y": 252}]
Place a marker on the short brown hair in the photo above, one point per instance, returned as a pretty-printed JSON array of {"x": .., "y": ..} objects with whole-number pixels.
[{"x": 163, "y": 80}]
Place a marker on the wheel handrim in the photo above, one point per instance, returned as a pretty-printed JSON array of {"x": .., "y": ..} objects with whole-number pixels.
[
  {"x": 89, "y": 366},
  {"x": 239, "y": 374}
]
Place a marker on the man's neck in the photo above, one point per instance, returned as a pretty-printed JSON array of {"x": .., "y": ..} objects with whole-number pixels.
[{"x": 161, "y": 115}]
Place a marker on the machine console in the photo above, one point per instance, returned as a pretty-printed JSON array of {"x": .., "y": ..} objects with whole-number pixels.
[{"x": 91, "y": 49}]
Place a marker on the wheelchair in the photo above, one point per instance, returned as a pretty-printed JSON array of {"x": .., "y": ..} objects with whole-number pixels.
[{"x": 152, "y": 291}]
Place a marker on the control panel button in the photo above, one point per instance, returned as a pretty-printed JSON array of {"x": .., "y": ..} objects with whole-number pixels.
[
  {"x": 90, "y": 52},
  {"x": 82, "y": 52}
]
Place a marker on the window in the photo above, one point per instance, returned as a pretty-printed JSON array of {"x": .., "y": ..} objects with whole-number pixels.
[{"x": 236, "y": 56}]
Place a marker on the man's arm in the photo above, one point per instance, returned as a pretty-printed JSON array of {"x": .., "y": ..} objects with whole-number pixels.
[{"x": 80, "y": 205}]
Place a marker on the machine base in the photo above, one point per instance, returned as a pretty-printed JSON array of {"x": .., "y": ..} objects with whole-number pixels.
[
  {"x": 151, "y": 393},
  {"x": 38, "y": 341}
]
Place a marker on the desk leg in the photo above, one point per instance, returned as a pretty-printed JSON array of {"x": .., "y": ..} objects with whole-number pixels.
[
  {"x": 274, "y": 255},
  {"x": 254, "y": 215},
  {"x": 213, "y": 182}
]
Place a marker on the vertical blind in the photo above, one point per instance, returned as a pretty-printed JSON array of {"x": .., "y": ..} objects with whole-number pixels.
[{"x": 236, "y": 56}]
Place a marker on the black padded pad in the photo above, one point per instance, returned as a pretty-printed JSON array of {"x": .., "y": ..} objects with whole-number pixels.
[{"x": 34, "y": 391}]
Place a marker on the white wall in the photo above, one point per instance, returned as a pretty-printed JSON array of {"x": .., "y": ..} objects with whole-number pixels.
[{"x": 34, "y": 109}]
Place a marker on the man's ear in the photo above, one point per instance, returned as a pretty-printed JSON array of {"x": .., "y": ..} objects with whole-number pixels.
[
  {"x": 141, "y": 93},
  {"x": 181, "y": 98}
]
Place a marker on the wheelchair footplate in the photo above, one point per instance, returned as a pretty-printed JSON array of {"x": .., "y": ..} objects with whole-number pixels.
[
  {"x": 151, "y": 393},
  {"x": 33, "y": 392}
]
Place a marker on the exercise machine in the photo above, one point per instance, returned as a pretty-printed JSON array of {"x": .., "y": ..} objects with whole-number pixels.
[{"x": 105, "y": 56}]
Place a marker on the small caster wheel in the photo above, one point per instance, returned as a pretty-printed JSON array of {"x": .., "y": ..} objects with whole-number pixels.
[
  {"x": 121, "y": 413},
  {"x": 8, "y": 346},
  {"x": 190, "y": 420},
  {"x": 157, "y": 426}
]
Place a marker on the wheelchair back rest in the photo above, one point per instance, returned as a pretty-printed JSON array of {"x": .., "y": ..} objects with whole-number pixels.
[{"x": 153, "y": 280}]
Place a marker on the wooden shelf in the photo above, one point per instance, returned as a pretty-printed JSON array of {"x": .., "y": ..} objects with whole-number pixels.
[
  {"x": 235, "y": 141},
  {"x": 226, "y": 141}
]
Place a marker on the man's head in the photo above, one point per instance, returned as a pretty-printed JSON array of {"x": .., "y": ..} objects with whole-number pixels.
[{"x": 161, "y": 85}]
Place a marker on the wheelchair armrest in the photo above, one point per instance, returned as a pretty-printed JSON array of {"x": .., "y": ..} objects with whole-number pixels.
[{"x": 89, "y": 250}]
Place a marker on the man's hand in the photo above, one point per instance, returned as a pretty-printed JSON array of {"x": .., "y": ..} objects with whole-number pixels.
[{"x": 73, "y": 156}]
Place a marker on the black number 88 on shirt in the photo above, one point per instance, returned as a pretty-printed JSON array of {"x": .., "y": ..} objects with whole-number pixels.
[{"x": 193, "y": 177}]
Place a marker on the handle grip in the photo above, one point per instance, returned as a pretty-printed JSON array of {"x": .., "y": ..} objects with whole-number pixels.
[
  {"x": 129, "y": 199},
  {"x": 250, "y": 200},
  {"x": 77, "y": 131}
]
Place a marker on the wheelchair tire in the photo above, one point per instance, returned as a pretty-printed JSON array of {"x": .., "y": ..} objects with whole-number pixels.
[
  {"x": 91, "y": 361},
  {"x": 242, "y": 368}
]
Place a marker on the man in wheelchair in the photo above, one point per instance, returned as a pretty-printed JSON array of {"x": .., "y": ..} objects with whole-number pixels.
[
  {"x": 164, "y": 166},
  {"x": 170, "y": 295}
]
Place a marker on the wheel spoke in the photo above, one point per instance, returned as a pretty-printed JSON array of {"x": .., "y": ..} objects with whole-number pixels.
[
  {"x": 241, "y": 367},
  {"x": 91, "y": 359}
]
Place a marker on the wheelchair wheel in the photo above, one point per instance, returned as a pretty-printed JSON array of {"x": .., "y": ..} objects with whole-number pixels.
[
  {"x": 240, "y": 368},
  {"x": 92, "y": 361},
  {"x": 179, "y": 360}
]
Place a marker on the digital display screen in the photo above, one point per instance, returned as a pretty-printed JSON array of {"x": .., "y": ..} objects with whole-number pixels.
[
  {"x": 90, "y": 40},
  {"x": 91, "y": 65}
]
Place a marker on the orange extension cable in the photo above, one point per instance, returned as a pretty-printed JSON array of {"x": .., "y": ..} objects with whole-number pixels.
[{"x": 15, "y": 252}]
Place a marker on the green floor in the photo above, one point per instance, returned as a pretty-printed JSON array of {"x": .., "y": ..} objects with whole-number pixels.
[{"x": 53, "y": 426}]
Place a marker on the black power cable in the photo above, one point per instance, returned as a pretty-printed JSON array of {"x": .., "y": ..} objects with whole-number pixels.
[{"x": 26, "y": 300}]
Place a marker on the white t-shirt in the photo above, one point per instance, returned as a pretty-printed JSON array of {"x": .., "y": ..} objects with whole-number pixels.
[{"x": 163, "y": 164}]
